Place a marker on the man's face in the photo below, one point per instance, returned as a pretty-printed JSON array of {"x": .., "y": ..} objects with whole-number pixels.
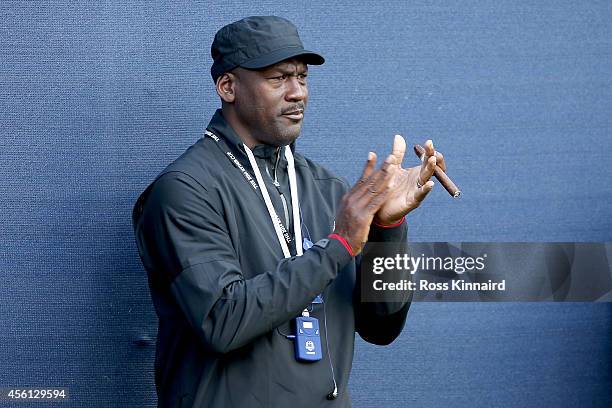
[{"x": 270, "y": 103}]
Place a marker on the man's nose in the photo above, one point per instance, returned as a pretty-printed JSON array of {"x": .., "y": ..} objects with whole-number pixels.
[{"x": 296, "y": 91}]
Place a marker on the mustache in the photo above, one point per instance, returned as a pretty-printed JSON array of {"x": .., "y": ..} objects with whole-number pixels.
[{"x": 297, "y": 107}]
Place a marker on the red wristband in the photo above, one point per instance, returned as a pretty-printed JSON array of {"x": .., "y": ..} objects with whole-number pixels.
[
  {"x": 343, "y": 242},
  {"x": 397, "y": 224}
]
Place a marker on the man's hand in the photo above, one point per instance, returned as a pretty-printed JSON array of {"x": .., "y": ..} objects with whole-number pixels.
[
  {"x": 359, "y": 205},
  {"x": 409, "y": 187}
]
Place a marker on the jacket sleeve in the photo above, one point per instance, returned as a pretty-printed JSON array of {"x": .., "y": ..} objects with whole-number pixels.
[
  {"x": 382, "y": 321},
  {"x": 183, "y": 240}
]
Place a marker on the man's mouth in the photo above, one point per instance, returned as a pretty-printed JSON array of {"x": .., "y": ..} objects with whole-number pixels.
[{"x": 297, "y": 114}]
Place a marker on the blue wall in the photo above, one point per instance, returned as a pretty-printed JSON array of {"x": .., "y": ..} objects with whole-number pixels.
[{"x": 97, "y": 97}]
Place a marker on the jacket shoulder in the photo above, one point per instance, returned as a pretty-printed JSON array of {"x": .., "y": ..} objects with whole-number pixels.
[
  {"x": 321, "y": 174},
  {"x": 200, "y": 162},
  {"x": 197, "y": 167}
]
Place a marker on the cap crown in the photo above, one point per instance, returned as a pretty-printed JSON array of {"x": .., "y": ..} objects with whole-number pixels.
[{"x": 256, "y": 42}]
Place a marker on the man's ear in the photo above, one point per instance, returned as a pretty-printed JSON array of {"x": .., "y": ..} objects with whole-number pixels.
[{"x": 225, "y": 85}]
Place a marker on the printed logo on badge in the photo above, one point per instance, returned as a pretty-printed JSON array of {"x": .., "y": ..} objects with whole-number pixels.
[{"x": 310, "y": 345}]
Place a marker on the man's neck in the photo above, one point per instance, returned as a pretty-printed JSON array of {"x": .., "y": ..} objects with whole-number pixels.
[{"x": 240, "y": 130}]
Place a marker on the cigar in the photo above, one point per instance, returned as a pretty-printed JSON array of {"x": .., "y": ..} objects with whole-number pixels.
[{"x": 440, "y": 174}]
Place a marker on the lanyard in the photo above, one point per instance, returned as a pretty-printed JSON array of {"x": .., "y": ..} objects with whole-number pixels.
[{"x": 282, "y": 233}]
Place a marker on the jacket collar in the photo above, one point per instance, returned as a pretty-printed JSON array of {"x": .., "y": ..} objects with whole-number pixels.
[{"x": 219, "y": 126}]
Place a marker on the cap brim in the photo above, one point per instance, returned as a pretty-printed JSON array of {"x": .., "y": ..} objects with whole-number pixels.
[{"x": 309, "y": 57}]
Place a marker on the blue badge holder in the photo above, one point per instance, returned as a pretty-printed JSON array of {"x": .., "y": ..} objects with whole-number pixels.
[{"x": 307, "y": 339}]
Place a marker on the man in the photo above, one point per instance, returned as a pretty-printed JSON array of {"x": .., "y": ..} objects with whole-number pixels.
[{"x": 240, "y": 236}]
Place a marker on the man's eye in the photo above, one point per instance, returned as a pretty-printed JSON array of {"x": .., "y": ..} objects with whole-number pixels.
[{"x": 279, "y": 77}]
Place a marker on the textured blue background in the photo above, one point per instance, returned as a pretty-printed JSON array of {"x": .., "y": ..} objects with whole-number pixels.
[{"x": 97, "y": 97}]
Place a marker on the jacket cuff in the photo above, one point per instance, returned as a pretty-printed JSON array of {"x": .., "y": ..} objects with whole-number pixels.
[
  {"x": 336, "y": 250},
  {"x": 396, "y": 233},
  {"x": 343, "y": 242},
  {"x": 397, "y": 224}
]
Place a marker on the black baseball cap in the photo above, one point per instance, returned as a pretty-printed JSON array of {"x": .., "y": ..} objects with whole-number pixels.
[{"x": 257, "y": 42}]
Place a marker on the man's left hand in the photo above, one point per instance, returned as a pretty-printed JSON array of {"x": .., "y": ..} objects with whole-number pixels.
[{"x": 410, "y": 186}]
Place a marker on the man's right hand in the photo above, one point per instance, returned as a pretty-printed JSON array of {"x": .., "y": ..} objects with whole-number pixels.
[{"x": 359, "y": 205}]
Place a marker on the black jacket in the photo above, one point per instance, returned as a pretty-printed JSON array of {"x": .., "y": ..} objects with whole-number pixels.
[{"x": 224, "y": 295}]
